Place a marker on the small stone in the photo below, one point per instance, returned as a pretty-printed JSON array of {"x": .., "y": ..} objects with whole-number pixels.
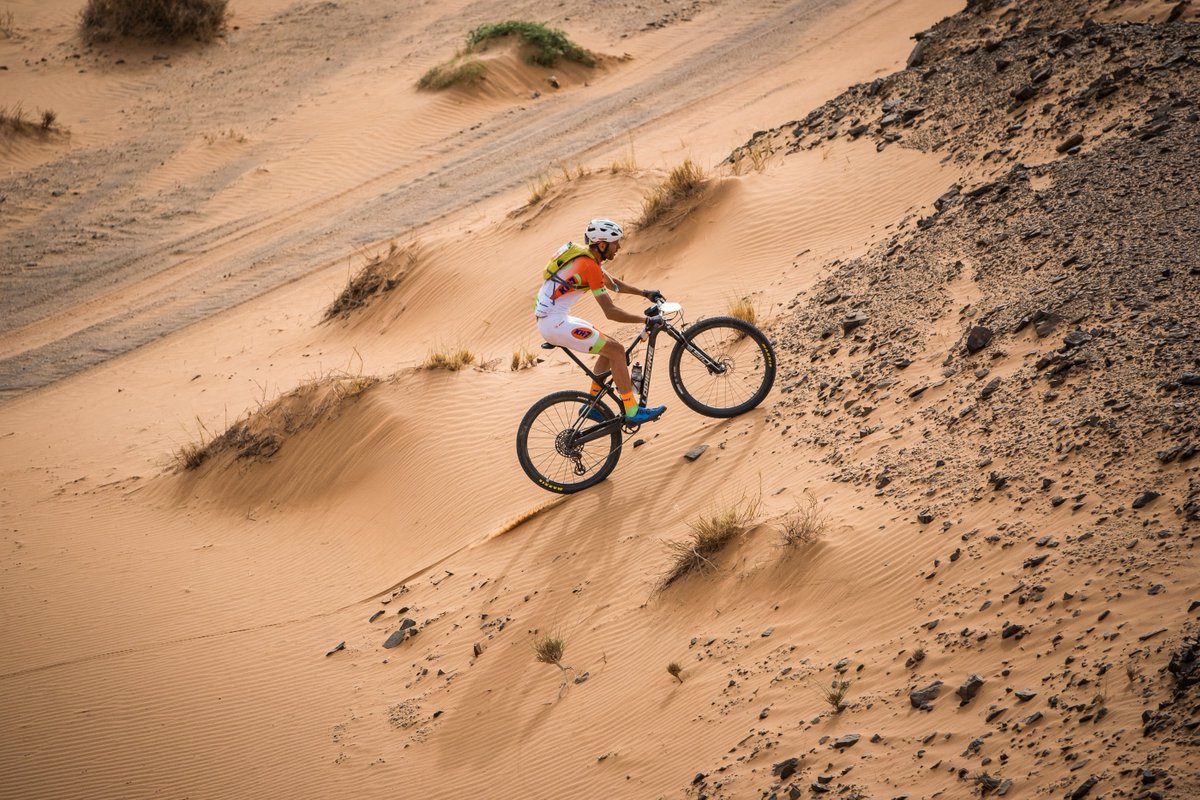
[
  {"x": 925, "y": 516},
  {"x": 337, "y": 647},
  {"x": 1072, "y": 141},
  {"x": 695, "y": 452},
  {"x": 1012, "y": 630},
  {"x": 849, "y": 740},
  {"x": 377, "y": 615},
  {"x": 1025, "y": 695},
  {"x": 990, "y": 389},
  {"x": 767, "y": 632}
]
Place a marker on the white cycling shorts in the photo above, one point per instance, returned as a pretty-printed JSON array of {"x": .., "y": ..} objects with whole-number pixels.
[{"x": 571, "y": 332}]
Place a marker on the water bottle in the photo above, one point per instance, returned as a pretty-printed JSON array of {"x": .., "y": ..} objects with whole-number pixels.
[{"x": 636, "y": 375}]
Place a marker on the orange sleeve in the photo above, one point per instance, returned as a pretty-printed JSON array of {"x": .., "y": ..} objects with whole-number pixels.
[{"x": 589, "y": 271}]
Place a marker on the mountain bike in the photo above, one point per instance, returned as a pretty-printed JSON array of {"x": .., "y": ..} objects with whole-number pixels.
[{"x": 720, "y": 367}]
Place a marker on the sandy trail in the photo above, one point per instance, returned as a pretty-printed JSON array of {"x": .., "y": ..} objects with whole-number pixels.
[{"x": 169, "y": 265}]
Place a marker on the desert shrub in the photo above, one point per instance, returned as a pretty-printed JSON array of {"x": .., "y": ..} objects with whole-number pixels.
[
  {"x": 14, "y": 122},
  {"x": 7, "y": 24},
  {"x": 160, "y": 20},
  {"x": 803, "y": 524},
  {"x": 549, "y": 649},
  {"x": 452, "y": 360},
  {"x": 835, "y": 693},
  {"x": 465, "y": 71},
  {"x": 260, "y": 434},
  {"x": 675, "y": 671},
  {"x": 709, "y": 534},
  {"x": 379, "y": 275},
  {"x": 549, "y": 44},
  {"x": 675, "y": 196}
]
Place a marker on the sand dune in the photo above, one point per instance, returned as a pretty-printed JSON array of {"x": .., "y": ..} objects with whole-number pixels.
[{"x": 1020, "y": 511}]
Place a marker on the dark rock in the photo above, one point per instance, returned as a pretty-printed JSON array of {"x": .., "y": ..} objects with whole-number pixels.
[
  {"x": 966, "y": 692},
  {"x": 1076, "y": 338},
  {"x": 1084, "y": 788},
  {"x": 1035, "y": 561},
  {"x": 853, "y": 321},
  {"x": 337, "y": 647},
  {"x": 917, "y": 57},
  {"x": 1025, "y": 695},
  {"x": 1024, "y": 93},
  {"x": 923, "y": 698},
  {"x": 695, "y": 452},
  {"x": 1145, "y": 498},
  {"x": 1011, "y": 630},
  {"x": 1190, "y": 379},
  {"x": 849, "y": 740},
  {"x": 978, "y": 338},
  {"x": 1071, "y": 141},
  {"x": 991, "y": 388},
  {"x": 925, "y": 517},
  {"x": 1044, "y": 323},
  {"x": 376, "y": 615},
  {"x": 786, "y": 769}
]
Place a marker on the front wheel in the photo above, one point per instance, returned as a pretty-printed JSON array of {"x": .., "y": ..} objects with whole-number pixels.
[
  {"x": 724, "y": 366},
  {"x": 550, "y": 442}
]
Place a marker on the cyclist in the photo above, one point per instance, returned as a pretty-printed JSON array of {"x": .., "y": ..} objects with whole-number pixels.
[{"x": 573, "y": 272}]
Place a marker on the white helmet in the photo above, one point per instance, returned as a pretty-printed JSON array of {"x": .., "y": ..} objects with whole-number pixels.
[{"x": 602, "y": 230}]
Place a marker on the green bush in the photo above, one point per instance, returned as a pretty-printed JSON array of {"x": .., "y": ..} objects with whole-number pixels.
[{"x": 549, "y": 44}]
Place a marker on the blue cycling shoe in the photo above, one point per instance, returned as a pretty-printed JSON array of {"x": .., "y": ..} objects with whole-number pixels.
[
  {"x": 645, "y": 415},
  {"x": 593, "y": 413}
]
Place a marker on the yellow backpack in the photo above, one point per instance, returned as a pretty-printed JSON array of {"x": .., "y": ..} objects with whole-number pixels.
[{"x": 566, "y": 254}]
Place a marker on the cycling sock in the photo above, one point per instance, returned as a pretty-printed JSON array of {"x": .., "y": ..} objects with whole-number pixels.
[
  {"x": 631, "y": 405},
  {"x": 595, "y": 390}
]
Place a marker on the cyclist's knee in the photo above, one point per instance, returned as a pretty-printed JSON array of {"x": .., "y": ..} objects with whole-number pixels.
[{"x": 612, "y": 349}]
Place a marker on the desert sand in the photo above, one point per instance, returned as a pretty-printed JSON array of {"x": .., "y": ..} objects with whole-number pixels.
[{"x": 976, "y": 254}]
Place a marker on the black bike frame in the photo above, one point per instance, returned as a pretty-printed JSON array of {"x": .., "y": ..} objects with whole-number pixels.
[{"x": 608, "y": 386}]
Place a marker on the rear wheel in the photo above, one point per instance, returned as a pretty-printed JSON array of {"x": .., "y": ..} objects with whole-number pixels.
[
  {"x": 723, "y": 367},
  {"x": 549, "y": 446}
]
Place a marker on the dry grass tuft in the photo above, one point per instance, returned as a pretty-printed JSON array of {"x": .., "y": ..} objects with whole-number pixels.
[
  {"x": 7, "y": 24},
  {"x": 452, "y": 360},
  {"x": 158, "y": 20},
  {"x": 523, "y": 359},
  {"x": 460, "y": 70},
  {"x": 675, "y": 671},
  {"x": 754, "y": 155},
  {"x": 549, "y": 649},
  {"x": 803, "y": 524},
  {"x": 743, "y": 309},
  {"x": 835, "y": 693},
  {"x": 14, "y": 122},
  {"x": 539, "y": 187},
  {"x": 675, "y": 197},
  {"x": 710, "y": 533},
  {"x": 380, "y": 275}
]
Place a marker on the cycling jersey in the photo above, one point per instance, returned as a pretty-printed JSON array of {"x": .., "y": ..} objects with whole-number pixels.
[{"x": 566, "y": 286}]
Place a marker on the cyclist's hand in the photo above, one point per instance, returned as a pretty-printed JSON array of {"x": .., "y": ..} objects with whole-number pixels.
[
  {"x": 654, "y": 295},
  {"x": 654, "y": 317}
]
